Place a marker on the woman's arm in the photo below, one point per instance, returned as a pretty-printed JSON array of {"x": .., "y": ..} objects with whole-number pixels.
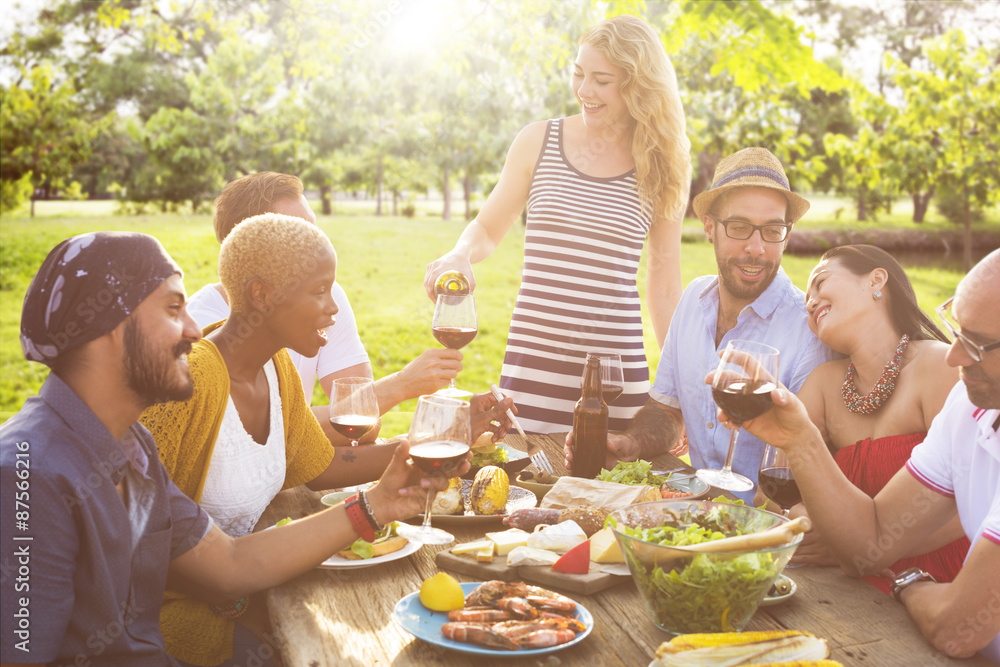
[
  {"x": 482, "y": 236},
  {"x": 663, "y": 274}
]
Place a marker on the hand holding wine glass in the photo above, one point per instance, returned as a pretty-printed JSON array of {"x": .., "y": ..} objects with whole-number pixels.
[
  {"x": 744, "y": 378},
  {"x": 353, "y": 407},
  {"x": 455, "y": 324},
  {"x": 439, "y": 441}
]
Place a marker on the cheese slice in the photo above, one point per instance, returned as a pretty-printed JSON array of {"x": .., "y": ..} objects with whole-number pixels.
[
  {"x": 485, "y": 555},
  {"x": 507, "y": 540},
  {"x": 530, "y": 556},
  {"x": 604, "y": 547},
  {"x": 471, "y": 547}
]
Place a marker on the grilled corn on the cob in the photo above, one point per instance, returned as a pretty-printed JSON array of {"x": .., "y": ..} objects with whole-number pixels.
[
  {"x": 730, "y": 649},
  {"x": 489, "y": 491}
]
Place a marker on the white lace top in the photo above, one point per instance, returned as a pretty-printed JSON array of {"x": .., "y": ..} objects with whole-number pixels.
[{"x": 244, "y": 476}]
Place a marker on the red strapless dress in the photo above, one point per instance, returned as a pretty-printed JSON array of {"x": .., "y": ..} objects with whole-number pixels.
[{"x": 870, "y": 464}]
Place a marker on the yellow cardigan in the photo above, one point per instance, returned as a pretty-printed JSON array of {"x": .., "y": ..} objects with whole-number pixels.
[{"x": 185, "y": 436}]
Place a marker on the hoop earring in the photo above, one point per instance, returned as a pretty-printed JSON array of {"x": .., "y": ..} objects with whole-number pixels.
[{"x": 877, "y": 294}]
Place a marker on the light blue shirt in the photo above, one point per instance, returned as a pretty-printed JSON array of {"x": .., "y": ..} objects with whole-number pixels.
[{"x": 777, "y": 317}]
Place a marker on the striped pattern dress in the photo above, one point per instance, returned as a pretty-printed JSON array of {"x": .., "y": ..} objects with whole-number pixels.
[{"x": 578, "y": 292}]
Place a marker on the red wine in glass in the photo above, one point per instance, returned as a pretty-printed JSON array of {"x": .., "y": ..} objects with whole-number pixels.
[
  {"x": 353, "y": 427},
  {"x": 744, "y": 399},
  {"x": 611, "y": 392},
  {"x": 443, "y": 457},
  {"x": 778, "y": 484},
  {"x": 454, "y": 338}
]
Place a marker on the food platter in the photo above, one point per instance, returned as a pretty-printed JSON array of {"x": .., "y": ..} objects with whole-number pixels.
[
  {"x": 425, "y": 624},
  {"x": 336, "y": 562},
  {"x": 778, "y": 599},
  {"x": 518, "y": 498}
]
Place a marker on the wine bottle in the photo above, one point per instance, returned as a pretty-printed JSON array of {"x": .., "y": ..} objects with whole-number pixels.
[
  {"x": 590, "y": 425},
  {"x": 452, "y": 283}
]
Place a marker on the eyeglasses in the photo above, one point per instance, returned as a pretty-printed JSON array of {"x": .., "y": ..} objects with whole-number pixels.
[
  {"x": 975, "y": 350},
  {"x": 741, "y": 230}
]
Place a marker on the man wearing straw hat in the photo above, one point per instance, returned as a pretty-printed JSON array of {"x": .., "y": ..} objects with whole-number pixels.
[{"x": 748, "y": 213}]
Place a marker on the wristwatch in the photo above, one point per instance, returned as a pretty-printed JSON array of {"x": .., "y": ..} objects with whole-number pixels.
[{"x": 908, "y": 578}]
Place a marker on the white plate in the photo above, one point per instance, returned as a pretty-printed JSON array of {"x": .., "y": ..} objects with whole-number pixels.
[
  {"x": 335, "y": 562},
  {"x": 778, "y": 599},
  {"x": 425, "y": 624},
  {"x": 517, "y": 498}
]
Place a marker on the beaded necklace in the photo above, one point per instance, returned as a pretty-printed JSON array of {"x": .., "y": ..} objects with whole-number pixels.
[{"x": 880, "y": 393}]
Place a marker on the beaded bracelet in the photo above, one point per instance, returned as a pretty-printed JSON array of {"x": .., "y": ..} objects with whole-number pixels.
[
  {"x": 233, "y": 611},
  {"x": 369, "y": 512},
  {"x": 356, "y": 513}
]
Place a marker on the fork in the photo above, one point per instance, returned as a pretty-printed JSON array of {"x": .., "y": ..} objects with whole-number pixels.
[{"x": 535, "y": 452}]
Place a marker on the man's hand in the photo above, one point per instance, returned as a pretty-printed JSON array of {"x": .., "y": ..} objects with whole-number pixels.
[
  {"x": 682, "y": 446},
  {"x": 620, "y": 448},
  {"x": 484, "y": 410},
  {"x": 431, "y": 371}
]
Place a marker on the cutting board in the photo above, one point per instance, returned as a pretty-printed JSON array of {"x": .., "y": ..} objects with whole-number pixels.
[{"x": 585, "y": 584}]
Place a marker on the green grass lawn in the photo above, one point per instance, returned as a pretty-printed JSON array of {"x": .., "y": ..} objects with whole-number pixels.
[{"x": 381, "y": 262}]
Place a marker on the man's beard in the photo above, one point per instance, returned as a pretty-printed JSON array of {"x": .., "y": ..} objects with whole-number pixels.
[
  {"x": 154, "y": 376},
  {"x": 986, "y": 396},
  {"x": 728, "y": 276}
]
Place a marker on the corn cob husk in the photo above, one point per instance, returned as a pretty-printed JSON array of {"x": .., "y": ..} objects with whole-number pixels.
[
  {"x": 732, "y": 649},
  {"x": 800, "y": 663}
]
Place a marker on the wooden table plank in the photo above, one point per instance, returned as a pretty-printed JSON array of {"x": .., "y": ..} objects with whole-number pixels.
[{"x": 344, "y": 617}]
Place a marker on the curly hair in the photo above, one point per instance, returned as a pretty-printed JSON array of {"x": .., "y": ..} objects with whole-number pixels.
[
  {"x": 900, "y": 298},
  {"x": 251, "y": 195},
  {"x": 661, "y": 149},
  {"x": 279, "y": 250}
]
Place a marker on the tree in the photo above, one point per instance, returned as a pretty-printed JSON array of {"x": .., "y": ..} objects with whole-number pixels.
[
  {"x": 958, "y": 98},
  {"x": 43, "y": 134}
]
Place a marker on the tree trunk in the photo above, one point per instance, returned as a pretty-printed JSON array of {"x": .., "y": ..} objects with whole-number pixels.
[
  {"x": 467, "y": 189},
  {"x": 326, "y": 203},
  {"x": 862, "y": 203},
  {"x": 921, "y": 202},
  {"x": 32, "y": 204},
  {"x": 446, "y": 193},
  {"x": 378, "y": 188},
  {"x": 395, "y": 202},
  {"x": 967, "y": 236}
]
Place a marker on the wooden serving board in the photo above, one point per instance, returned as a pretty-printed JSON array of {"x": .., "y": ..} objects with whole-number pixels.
[{"x": 585, "y": 584}]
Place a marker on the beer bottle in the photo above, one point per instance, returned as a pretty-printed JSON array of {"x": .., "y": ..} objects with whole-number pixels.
[
  {"x": 590, "y": 425},
  {"x": 452, "y": 283}
]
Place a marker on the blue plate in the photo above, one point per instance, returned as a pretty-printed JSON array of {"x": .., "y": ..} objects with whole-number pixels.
[{"x": 425, "y": 624}]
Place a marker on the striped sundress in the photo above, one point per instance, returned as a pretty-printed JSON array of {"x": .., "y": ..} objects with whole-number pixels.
[{"x": 578, "y": 293}]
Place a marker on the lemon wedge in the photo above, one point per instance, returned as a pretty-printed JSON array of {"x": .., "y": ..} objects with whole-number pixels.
[{"x": 442, "y": 592}]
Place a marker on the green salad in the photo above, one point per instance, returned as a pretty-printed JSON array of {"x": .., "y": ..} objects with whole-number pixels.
[
  {"x": 708, "y": 592},
  {"x": 635, "y": 473}
]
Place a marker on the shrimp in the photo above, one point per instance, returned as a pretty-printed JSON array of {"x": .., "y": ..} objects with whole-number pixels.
[
  {"x": 478, "y": 615},
  {"x": 477, "y": 633}
]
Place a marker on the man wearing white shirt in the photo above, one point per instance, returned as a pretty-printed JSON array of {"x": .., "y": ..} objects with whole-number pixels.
[
  {"x": 955, "y": 470},
  {"x": 344, "y": 355}
]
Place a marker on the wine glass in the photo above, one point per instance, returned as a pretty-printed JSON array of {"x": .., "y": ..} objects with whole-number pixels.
[
  {"x": 455, "y": 325},
  {"x": 439, "y": 437},
  {"x": 612, "y": 377},
  {"x": 353, "y": 407},
  {"x": 744, "y": 378},
  {"x": 777, "y": 481}
]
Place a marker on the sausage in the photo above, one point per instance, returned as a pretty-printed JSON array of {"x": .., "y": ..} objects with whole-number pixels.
[{"x": 527, "y": 519}]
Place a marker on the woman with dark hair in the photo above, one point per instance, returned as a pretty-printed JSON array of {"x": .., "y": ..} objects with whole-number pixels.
[{"x": 876, "y": 404}]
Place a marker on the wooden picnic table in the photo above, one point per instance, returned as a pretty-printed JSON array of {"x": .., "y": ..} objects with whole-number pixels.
[{"x": 344, "y": 617}]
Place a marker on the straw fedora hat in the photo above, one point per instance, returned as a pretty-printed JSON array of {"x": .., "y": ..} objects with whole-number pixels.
[{"x": 750, "y": 167}]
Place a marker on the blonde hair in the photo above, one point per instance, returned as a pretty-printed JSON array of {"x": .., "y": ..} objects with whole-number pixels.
[
  {"x": 661, "y": 149},
  {"x": 251, "y": 195},
  {"x": 276, "y": 249}
]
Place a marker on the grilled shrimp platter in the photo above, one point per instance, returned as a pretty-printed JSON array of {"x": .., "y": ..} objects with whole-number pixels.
[{"x": 512, "y": 616}]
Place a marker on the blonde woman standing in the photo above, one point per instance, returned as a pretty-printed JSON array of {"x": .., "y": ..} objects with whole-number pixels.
[{"x": 597, "y": 185}]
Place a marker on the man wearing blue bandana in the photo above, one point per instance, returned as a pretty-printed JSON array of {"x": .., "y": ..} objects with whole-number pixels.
[{"x": 748, "y": 213}]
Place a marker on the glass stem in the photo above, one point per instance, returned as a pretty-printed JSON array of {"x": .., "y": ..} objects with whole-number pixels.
[
  {"x": 732, "y": 448},
  {"x": 427, "y": 510}
]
